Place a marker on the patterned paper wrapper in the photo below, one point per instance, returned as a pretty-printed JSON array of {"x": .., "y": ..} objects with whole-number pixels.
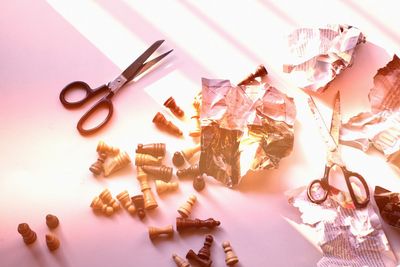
[
  {"x": 317, "y": 55},
  {"x": 247, "y": 127},
  {"x": 347, "y": 236},
  {"x": 381, "y": 126}
]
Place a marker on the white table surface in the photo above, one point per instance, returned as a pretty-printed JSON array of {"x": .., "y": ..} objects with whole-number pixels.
[{"x": 44, "y": 166}]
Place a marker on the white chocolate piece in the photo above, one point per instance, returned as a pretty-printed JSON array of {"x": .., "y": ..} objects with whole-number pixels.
[
  {"x": 52, "y": 242},
  {"x": 195, "y": 129},
  {"x": 186, "y": 208},
  {"x": 188, "y": 153},
  {"x": 106, "y": 197},
  {"x": 163, "y": 187},
  {"x": 230, "y": 257},
  {"x": 103, "y": 147},
  {"x": 126, "y": 202},
  {"x": 180, "y": 262},
  {"x": 146, "y": 159},
  {"x": 149, "y": 200},
  {"x": 116, "y": 163},
  {"x": 98, "y": 205},
  {"x": 155, "y": 232}
]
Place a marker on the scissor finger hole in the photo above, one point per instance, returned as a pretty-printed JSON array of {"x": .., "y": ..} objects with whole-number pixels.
[
  {"x": 358, "y": 189},
  {"x": 317, "y": 192},
  {"x": 75, "y": 93},
  {"x": 96, "y": 118}
]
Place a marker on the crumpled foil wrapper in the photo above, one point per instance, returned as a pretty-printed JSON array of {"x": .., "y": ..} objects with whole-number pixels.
[
  {"x": 381, "y": 126},
  {"x": 389, "y": 205},
  {"x": 346, "y": 235},
  {"x": 242, "y": 128},
  {"x": 318, "y": 55}
]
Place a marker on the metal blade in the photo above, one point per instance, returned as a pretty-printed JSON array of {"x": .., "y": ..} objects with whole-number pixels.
[
  {"x": 151, "y": 63},
  {"x": 335, "y": 123},
  {"x": 133, "y": 69},
  {"x": 329, "y": 141}
]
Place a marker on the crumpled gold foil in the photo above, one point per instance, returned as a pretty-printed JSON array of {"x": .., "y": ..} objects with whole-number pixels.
[
  {"x": 318, "y": 55},
  {"x": 243, "y": 127}
]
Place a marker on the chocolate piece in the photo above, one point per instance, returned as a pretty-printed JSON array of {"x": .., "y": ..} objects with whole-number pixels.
[
  {"x": 97, "y": 167},
  {"x": 149, "y": 200},
  {"x": 162, "y": 172},
  {"x": 180, "y": 262},
  {"x": 177, "y": 111},
  {"x": 204, "y": 252},
  {"x": 185, "y": 223},
  {"x": 102, "y": 147},
  {"x": 188, "y": 172},
  {"x": 155, "y": 232},
  {"x": 161, "y": 122},
  {"x": 178, "y": 159},
  {"x": 199, "y": 183},
  {"x": 52, "y": 242},
  {"x": 154, "y": 149},
  {"x": 28, "y": 235},
  {"x": 52, "y": 221},
  {"x": 146, "y": 159},
  {"x": 138, "y": 202},
  {"x": 186, "y": 207},
  {"x": 191, "y": 255},
  {"x": 163, "y": 187},
  {"x": 260, "y": 72},
  {"x": 230, "y": 256}
]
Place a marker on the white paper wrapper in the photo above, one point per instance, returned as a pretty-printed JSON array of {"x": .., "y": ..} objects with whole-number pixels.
[
  {"x": 347, "y": 236},
  {"x": 318, "y": 55}
]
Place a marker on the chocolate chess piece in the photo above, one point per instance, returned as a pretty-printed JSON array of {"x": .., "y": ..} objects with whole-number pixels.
[
  {"x": 116, "y": 163},
  {"x": 154, "y": 149},
  {"x": 154, "y": 232},
  {"x": 260, "y": 72},
  {"x": 138, "y": 201},
  {"x": 163, "y": 187},
  {"x": 180, "y": 262},
  {"x": 149, "y": 200},
  {"x": 192, "y": 256},
  {"x": 97, "y": 167},
  {"x": 189, "y": 152},
  {"x": 98, "y": 206},
  {"x": 102, "y": 147},
  {"x": 177, "y": 111},
  {"x": 195, "y": 128},
  {"x": 186, "y": 208},
  {"x": 162, "y": 172},
  {"x": 230, "y": 257},
  {"x": 199, "y": 183},
  {"x": 52, "y": 221},
  {"x": 146, "y": 159},
  {"x": 106, "y": 197},
  {"x": 160, "y": 121},
  {"x": 192, "y": 171},
  {"x": 28, "y": 235},
  {"x": 186, "y": 223},
  {"x": 178, "y": 159},
  {"x": 126, "y": 202},
  {"x": 52, "y": 242},
  {"x": 204, "y": 252}
]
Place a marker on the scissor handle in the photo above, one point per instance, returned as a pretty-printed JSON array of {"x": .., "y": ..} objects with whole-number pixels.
[
  {"x": 105, "y": 102},
  {"x": 323, "y": 183},
  {"x": 347, "y": 175},
  {"x": 82, "y": 86}
]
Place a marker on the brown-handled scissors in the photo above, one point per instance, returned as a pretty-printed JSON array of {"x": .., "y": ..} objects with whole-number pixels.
[
  {"x": 135, "y": 69},
  {"x": 319, "y": 189}
]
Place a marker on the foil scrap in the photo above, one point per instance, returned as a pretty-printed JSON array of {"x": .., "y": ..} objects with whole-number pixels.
[
  {"x": 247, "y": 127},
  {"x": 347, "y": 236},
  {"x": 381, "y": 126},
  {"x": 317, "y": 55},
  {"x": 389, "y": 205}
]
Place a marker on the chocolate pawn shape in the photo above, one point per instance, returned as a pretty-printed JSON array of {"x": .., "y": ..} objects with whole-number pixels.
[
  {"x": 180, "y": 262},
  {"x": 126, "y": 202},
  {"x": 163, "y": 187},
  {"x": 154, "y": 149},
  {"x": 98, "y": 206},
  {"x": 192, "y": 256},
  {"x": 116, "y": 163},
  {"x": 155, "y": 232},
  {"x": 230, "y": 256},
  {"x": 191, "y": 171},
  {"x": 199, "y": 182},
  {"x": 178, "y": 159},
  {"x": 175, "y": 109},
  {"x": 106, "y": 197},
  {"x": 195, "y": 128},
  {"x": 186, "y": 208},
  {"x": 160, "y": 121},
  {"x": 149, "y": 200},
  {"x": 186, "y": 223},
  {"x": 162, "y": 172},
  {"x": 138, "y": 202},
  {"x": 102, "y": 147},
  {"x": 52, "y": 221},
  {"x": 97, "y": 167},
  {"x": 52, "y": 242},
  {"x": 146, "y": 159},
  {"x": 259, "y": 73},
  {"x": 204, "y": 252},
  {"x": 28, "y": 235},
  {"x": 189, "y": 152}
]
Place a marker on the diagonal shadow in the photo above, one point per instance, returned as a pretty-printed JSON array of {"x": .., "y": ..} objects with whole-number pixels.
[{"x": 279, "y": 12}]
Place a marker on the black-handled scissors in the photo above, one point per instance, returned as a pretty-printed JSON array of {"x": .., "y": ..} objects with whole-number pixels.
[
  {"x": 319, "y": 189},
  {"x": 111, "y": 88}
]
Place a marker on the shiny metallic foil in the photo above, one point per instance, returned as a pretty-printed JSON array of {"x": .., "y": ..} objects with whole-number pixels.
[
  {"x": 317, "y": 55},
  {"x": 389, "y": 205},
  {"x": 242, "y": 128}
]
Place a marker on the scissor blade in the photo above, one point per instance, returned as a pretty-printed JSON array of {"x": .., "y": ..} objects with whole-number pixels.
[
  {"x": 151, "y": 63},
  {"x": 325, "y": 133},
  {"x": 133, "y": 69},
  {"x": 335, "y": 123}
]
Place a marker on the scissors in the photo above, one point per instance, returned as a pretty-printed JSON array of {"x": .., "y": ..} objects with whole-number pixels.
[
  {"x": 331, "y": 139},
  {"x": 111, "y": 88}
]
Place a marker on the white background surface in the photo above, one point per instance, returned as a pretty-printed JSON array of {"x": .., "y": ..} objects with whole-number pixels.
[{"x": 45, "y": 161}]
